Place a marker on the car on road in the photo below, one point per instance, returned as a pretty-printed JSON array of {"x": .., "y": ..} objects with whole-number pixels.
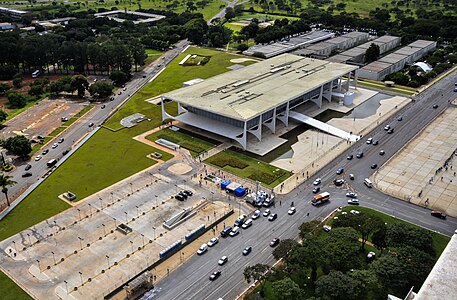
[
  {"x": 213, "y": 241},
  {"x": 353, "y": 201},
  {"x": 339, "y": 171},
  {"x": 247, "y": 224},
  {"x": 338, "y": 182},
  {"x": 382, "y": 152},
  {"x": 215, "y": 275},
  {"x": 374, "y": 166},
  {"x": 40, "y": 137},
  {"x": 438, "y": 214},
  {"x": 266, "y": 213},
  {"x": 291, "y": 211},
  {"x": 316, "y": 190},
  {"x": 274, "y": 242},
  {"x": 247, "y": 250},
  {"x": 435, "y": 106},
  {"x": 46, "y": 151},
  {"x": 226, "y": 231},
  {"x": 317, "y": 181},
  {"x": 203, "y": 248},
  {"x": 272, "y": 217},
  {"x": 390, "y": 131},
  {"x": 240, "y": 220},
  {"x": 65, "y": 152},
  {"x": 38, "y": 157},
  {"x": 455, "y": 89},
  {"x": 350, "y": 156},
  {"x": 28, "y": 167},
  {"x": 400, "y": 118},
  {"x": 64, "y": 119},
  {"x": 387, "y": 127},
  {"x": 326, "y": 228},
  {"x": 222, "y": 260},
  {"x": 27, "y": 174},
  {"x": 61, "y": 140},
  {"x": 124, "y": 89},
  {"x": 375, "y": 143},
  {"x": 370, "y": 140},
  {"x": 235, "y": 231},
  {"x": 351, "y": 195},
  {"x": 256, "y": 215},
  {"x": 359, "y": 154},
  {"x": 351, "y": 176},
  {"x": 91, "y": 124},
  {"x": 55, "y": 145}
]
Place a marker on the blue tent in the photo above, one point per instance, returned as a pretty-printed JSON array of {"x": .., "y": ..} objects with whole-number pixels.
[
  {"x": 240, "y": 191},
  {"x": 224, "y": 184}
]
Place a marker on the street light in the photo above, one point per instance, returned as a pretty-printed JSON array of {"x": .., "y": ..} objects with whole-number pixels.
[
  {"x": 142, "y": 236},
  {"x": 114, "y": 219},
  {"x": 107, "y": 258},
  {"x": 90, "y": 208},
  {"x": 104, "y": 232},
  {"x": 80, "y": 242},
  {"x": 66, "y": 285},
  {"x": 39, "y": 267},
  {"x": 15, "y": 248},
  {"x": 79, "y": 212},
  {"x": 157, "y": 200},
  {"x": 137, "y": 210},
  {"x": 30, "y": 239},
  {"x": 153, "y": 228},
  {"x": 81, "y": 276},
  {"x": 126, "y": 217},
  {"x": 54, "y": 257},
  {"x": 212, "y": 197},
  {"x": 131, "y": 243},
  {"x": 101, "y": 202},
  {"x": 131, "y": 187}
]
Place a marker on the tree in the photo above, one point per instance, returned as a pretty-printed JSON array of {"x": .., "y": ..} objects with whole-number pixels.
[
  {"x": 286, "y": 289},
  {"x": 368, "y": 283},
  {"x": 242, "y": 47},
  {"x": 310, "y": 255},
  {"x": 365, "y": 224},
  {"x": 400, "y": 234},
  {"x": 17, "y": 82},
  {"x": 100, "y": 89},
  {"x": 342, "y": 249},
  {"x": 195, "y": 30},
  {"x": 390, "y": 272},
  {"x": 337, "y": 285},
  {"x": 229, "y": 13},
  {"x": 308, "y": 229},
  {"x": 5, "y": 182},
  {"x": 19, "y": 145},
  {"x": 79, "y": 83},
  {"x": 372, "y": 53},
  {"x": 4, "y": 87},
  {"x": 16, "y": 100},
  {"x": 378, "y": 238},
  {"x": 137, "y": 52},
  {"x": 256, "y": 272},
  {"x": 36, "y": 90},
  {"x": 119, "y": 77},
  {"x": 284, "y": 249},
  {"x": 3, "y": 115}
]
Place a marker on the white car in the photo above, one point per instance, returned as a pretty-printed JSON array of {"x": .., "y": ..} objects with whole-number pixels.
[
  {"x": 351, "y": 195},
  {"x": 317, "y": 181},
  {"x": 213, "y": 241},
  {"x": 291, "y": 210},
  {"x": 266, "y": 213},
  {"x": 247, "y": 224},
  {"x": 326, "y": 228},
  {"x": 203, "y": 248},
  {"x": 256, "y": 214},
  {"x": 387, "y": 127},
  {"x": 353, "y": 201},
  {"x": 355, "y": 212},
  {"x": 55, "y": 145},
  {"x": 222, "y": 260},
  {"x": 38, "y": 157},
  {"x": 370, "y": 140}
]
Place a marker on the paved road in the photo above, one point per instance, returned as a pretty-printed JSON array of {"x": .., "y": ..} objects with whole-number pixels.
[
  {"x": 97, "y": 116},
  {"x": 190, "y": 281}
]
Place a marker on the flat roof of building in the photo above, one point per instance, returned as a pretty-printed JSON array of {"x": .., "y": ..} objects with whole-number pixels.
[
  {"x": 376, "y": 66},
  {"x": 248, "y": 92},
  {"x": 338, "y": 40},
  {"x": 339, "y": 58},
  {"x": 146, "y": 17},
  {"x": 393, "y": 58},
  {"x": 441, "y": 283},
  {"x": 421, "y": 43},
  {"x": 387, "y": 38},
  {"x": 355, "y": 34}
]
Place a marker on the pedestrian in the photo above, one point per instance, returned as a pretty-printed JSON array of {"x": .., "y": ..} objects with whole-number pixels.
[
  {"x": 307, "y": 214},
  {"x": 280, "y": 203}
]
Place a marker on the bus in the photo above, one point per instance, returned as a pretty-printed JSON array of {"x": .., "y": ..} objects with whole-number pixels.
[
  {"x": 320, "y": 199},
  {"x": 36, "y": 73}
]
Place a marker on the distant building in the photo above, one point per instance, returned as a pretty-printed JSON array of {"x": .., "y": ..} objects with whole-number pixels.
[
  {"x": 116, "y": 15},
  {"x": 397, "y": 60},
  {"x": 6, "y": 26},
  {"x": 14, "y": 13}
]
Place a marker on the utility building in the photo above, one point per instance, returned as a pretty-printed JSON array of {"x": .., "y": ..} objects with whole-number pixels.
[{"x": 255, "y": 97}]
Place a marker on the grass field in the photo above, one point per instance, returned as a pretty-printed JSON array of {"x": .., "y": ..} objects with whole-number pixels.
[
  {"x": 10, "y": 291},
  {"x": 249, "y": 168},
  {"x": 152, "y": 56},
  {"x": 194, "y": 144}
]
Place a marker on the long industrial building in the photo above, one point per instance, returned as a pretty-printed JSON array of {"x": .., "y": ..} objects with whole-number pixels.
[
  {"x": 341, "y": 43},
  {"x": 397, "y": 60},
  {"x": 239, "y": 102},
  {"x": 357, "y": 55},
  {"x": 14, "y": 13}
]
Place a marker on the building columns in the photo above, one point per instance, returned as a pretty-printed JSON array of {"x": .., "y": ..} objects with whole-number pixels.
[
  {"x": 258, "y": 131},
  {"x": 165, "y": 115},
  {"x": 271, "y": 123},
  {"x": 284, "y": 117}
]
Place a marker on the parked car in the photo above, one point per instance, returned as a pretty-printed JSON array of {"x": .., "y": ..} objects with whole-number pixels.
[
  {"x": 439, "y": 214},
  {"x": 351, "y": 195},
  {"x": 213, "y": 241},
  {"x": 339, "y": 171},
  {"x": 435, "y": 106},
  {"x": 272, "y": 217},
  {"x": 235, "y": 231},
  {"x": 291, "y": 210},
  {"x": 222, "y": 260},
  {"x": 203, "y": 248},
  {"x": 247, "y": 250},
  {"x": 28, "y": 167},
  {"x": 274, "y": 242},
  {"x": 355, "y": 212},
  {"x": 182, "y": 194},
  {"x": 64, "y": 119},
  {"x": 179, "y": 197},
  {"x": 247, "y": 224},
  {"x": 188, "y": 193},
  {"x": 215, "y": 275},
  {"x": 103, "y": 106},
  {"x": 371, "y": 256},
  {"x": 400, "y": 118},
  {"x": 317, "y": 181},
  {"x": 316, "y": 189},
  {"x": 256, "y": 214},
  {"x": 65, "y": 152},
  {"x": 266, "y": 213},
  {"x": 326, "y": 228},
  {"x": 91, "y": 124},
  {"x": 353, "y": 201},
  {"x": 375, "y": 143},
  {"x": 27, "y": 174}
]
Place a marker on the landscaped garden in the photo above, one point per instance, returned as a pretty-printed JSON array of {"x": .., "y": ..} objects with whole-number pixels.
[{"x": 249, "y": 168}]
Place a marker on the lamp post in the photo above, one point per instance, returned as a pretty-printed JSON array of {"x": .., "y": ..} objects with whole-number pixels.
[
  {"x": 152, "y": 177},
  {"x": 131, "y": 243},
  {"x": 137, "y": 211},
  {"x": 114, "y": 219},
  {"x": 30, "y": 239},
  {"x": 157, "y": 200},
  {"x": 104, "y": 231},
  {"x": 66, "y": 285},
  {"x": 154, "y": 237},
  {"x": 79, "y": 212},
  {"x": 212, "y": 197},
  {"x": 39, "y": 267},
  {"x": 54, "y": 257},
  {"x": 142, "y": 237},
  {"x": 80, "y": 242},
  {"x": 101, "y": 202},
  {"x": 15, "y": 248},
  {"x": 90, "y": 208},
  {"x": 81, "y": 277},
  {"x": 112, "y": 196},
  {"x": 126, "y": 217},
  {"x": 131, "y": 188},
  {"x": 107, "y": 258}
]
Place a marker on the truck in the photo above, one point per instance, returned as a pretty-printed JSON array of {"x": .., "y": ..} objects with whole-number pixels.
[
  {"x": 52, "y": 163},
  {"x": 320, "y": 199}
]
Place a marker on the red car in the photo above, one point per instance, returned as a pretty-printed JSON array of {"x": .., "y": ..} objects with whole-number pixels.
[{"x": 439, "y": 214}]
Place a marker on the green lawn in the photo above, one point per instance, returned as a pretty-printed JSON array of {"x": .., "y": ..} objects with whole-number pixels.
[
  {"x": 194, "y": 144},
  {"x": 10, "y": 291},
  {"x": 249, "y": 168},
  {"x": 381, "y": 86},
  {"x": 152, "y": 56}
]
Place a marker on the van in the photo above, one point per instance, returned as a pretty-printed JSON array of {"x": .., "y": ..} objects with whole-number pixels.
[
  {"x": 51, "y": 163},
  {"x": 368, "y": 182},
  {"x": 235, "y": 231},
  {"x": 226, "y": 231}
]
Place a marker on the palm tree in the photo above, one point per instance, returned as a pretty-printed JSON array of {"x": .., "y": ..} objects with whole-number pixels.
[{"x": 5, "y": 182}]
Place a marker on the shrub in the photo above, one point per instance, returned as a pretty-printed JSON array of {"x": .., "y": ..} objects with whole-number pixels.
[
  {"x": 205, "y": 60},
  {"x": 242, "y": 47},
  {"x": 221, "y": 162}
]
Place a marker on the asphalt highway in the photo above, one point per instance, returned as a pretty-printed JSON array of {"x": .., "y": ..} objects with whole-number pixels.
[{"x": 191, "y": 280}]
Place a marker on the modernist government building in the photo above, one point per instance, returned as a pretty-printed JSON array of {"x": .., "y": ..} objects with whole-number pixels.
[{"x": 239, "y": 102}]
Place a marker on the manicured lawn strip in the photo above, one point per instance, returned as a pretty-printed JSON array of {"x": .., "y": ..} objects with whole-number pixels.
[
  {"x": 439, "y": 241},
  {"x": 269, "y": 175},
  {"x": 234, "y": 27},
  {"x": 193, "y": 144},
  {"x": 10, "y": 290},
  {"x": 384, "y": 88},
  {"x": 168, "y": 81}
]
